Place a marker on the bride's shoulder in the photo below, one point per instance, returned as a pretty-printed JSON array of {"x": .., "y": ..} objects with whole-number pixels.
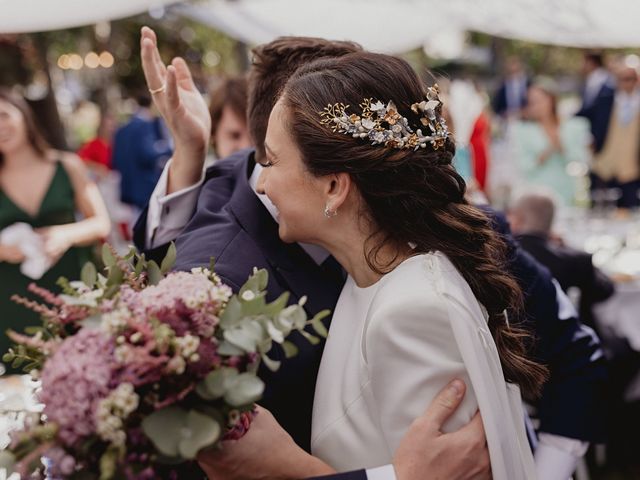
[{"x": 424, "y": 284}]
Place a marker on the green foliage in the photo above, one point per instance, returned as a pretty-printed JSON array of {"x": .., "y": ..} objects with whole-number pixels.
[{"x": 178, "y": 432}]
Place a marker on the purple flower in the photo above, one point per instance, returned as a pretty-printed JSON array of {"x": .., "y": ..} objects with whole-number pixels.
[{"x": 74, "y": 379}]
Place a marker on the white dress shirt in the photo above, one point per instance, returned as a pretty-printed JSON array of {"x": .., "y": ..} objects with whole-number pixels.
[{"x": 169, "y": 214}]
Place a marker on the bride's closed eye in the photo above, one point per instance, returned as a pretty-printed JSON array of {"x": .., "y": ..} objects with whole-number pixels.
[{"x": 266, "y": 163}]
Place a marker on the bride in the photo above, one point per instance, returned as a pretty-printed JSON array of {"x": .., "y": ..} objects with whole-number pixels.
[{"x": 359, "y": 162}]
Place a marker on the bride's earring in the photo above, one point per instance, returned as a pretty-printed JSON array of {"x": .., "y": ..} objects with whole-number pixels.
[{"x": 329, "y": 213}]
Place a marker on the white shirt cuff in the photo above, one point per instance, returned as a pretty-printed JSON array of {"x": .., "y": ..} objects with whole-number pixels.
[
  {"x": 168, "y": 214},
  {"x": 386, "y": 472},
  {"x": 556, "y": 457}
]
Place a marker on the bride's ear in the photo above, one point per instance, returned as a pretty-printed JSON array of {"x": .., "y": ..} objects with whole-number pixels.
[{"x": 337, "y": 190}]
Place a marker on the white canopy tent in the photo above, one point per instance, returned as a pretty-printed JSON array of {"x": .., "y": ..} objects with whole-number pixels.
[
  {"x": 400, "y": 25},
  {"x": 23, "y": 16},
  {"x": 391, "y": 26}
]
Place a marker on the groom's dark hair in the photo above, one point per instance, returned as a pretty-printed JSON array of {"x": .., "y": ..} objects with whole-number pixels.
[{"x": 273, "y": 64}]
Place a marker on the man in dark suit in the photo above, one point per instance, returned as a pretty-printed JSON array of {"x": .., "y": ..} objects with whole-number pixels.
[
  {"x": 597, "y": 97},
  {"x": 139, "y": 151},
  {"x": 531, "y": 218},
  {"x": 232, "y": 223},
  {"x": 511, "y": 96}
]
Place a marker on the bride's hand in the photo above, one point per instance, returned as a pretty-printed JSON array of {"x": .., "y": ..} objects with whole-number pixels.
[
  {"x": 266, "y": 451},
  {"x": 183, "y": 109}
]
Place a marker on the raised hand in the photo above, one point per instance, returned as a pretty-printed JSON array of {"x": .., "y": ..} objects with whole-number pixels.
[{"x": 183, "y": 109}]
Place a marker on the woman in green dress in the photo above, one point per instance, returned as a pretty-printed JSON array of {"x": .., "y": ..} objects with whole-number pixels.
[
  {"x": 545, "y": 146},
  {"x": 44, "y": 189}
]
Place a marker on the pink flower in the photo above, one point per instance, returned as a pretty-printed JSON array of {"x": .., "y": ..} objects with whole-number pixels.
[{"x": 74, "y": 379}]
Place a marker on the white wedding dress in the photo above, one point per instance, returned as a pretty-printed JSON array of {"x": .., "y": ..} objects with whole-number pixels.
[{"x": 391, "y": 347}]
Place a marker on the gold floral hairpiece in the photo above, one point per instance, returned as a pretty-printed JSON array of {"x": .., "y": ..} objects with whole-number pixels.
[{"x": 382, "y": 124}]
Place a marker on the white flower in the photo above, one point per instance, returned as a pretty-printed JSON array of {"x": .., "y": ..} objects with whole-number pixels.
[
  {"x": 187, "y": 345},
  {"x": 368, "y": 123},
  {"x": 378, "y": 107},
  {"x": 176, "y": 365},
  {"x": 248, "y": 295}
]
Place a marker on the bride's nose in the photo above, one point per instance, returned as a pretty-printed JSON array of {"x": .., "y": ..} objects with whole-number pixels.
[{"x": 261, "y": 181}]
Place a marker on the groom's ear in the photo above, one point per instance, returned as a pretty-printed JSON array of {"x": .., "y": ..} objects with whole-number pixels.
[{"x": 338, "y": 188}]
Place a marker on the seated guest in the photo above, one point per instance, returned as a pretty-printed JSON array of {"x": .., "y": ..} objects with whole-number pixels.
[
  {"x": 228, "y": 109},
  {"x": 531, "y": 218}
]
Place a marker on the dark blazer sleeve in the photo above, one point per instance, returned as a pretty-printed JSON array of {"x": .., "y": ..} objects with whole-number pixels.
[
  {"x": 355, "y": 475},
  {"x": 573, "y": 401}
]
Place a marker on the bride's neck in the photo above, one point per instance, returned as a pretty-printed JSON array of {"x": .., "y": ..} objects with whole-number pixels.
[{"x": 349, "y": 245}]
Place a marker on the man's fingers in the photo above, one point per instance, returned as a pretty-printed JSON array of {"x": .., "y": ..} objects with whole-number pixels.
[
  {"x": 154, "y": 69},
  {"x": 444, "y": 404},
  {"x": 172, "y": 88},
  {"x": 475, "y": 427},
  {"x": 183, "y": 74}
]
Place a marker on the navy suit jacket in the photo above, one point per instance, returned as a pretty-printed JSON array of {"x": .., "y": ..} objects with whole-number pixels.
[
  {"x": 231, "y": 224},
  {"x": 598, "y": 112},
  {"x": 139, "y": 150},
  {"x": 499, "y": 100}
]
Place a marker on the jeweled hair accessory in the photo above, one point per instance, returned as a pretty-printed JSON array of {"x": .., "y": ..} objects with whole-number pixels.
[{"x": 382, "y": 124}]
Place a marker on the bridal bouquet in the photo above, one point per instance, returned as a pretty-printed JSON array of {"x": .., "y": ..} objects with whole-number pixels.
[{"x": 140, "y": 369}]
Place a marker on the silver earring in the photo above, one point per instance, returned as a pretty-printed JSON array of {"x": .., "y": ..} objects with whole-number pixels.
[{"x": 329, "y": 213}]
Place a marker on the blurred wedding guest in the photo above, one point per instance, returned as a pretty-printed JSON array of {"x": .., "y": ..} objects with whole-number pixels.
[
  {"x": 511, "y": 96},
  {"x": 531, "y": 218},
  {"x": 97, "y": 152},
  {"x": 40, "y": 192},
  {"x": 617, "y": 165},
  {"x": 597, "y": 97},
  {"x": 228, "y": 109},
  {"x": 544, "y": 145},
  {"x": 140, "y": 149}
]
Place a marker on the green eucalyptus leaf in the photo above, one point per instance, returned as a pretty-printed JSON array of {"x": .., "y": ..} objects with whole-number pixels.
[
  {"x": 111, "y": 291},
  {"x": 290, "y": 350},
  {"x": 108, "y": 258},
  {"x": 263, "y": 279},
  {"x": 310, "y": 338},
  {"x": 89, "y": 274},
  {"x": 109, "y": 463},
  {"x": 246, "y": 335},
  {"x": 163, "y": 427},
  {"x": 7, "y": 462},
  {"x": 216, "y": 384},
  {"x": 274, "y": 332},
  {"x": 275, "y": 307},
  {"x": 116, "y": 275},
  {"x": 154, "y": 272},
  {"x": 140, "y": 266},
  {"x": 170, "y": 258},
  {"x": 201, "y": 431},
  {"x": 245, "y": 390},
  {"x": 232, "y": 312},
  {"x": 272, "y": 365},
  {"x": 319, "y": 328},
  {"x": 228, "y": 349},
  {"x": 255, "y": 306}
]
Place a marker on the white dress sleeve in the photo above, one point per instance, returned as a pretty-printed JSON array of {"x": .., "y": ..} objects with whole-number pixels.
[
  {"x": 411, "y": 355},
  {"x": 425, "y": 328}
]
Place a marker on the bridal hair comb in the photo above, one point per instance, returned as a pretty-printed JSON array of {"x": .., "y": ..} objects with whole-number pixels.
[{"x": 382, "y": 124}]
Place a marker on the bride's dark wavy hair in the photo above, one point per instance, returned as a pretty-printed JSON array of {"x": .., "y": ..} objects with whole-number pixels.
[{"x": 411, "y": 196}]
